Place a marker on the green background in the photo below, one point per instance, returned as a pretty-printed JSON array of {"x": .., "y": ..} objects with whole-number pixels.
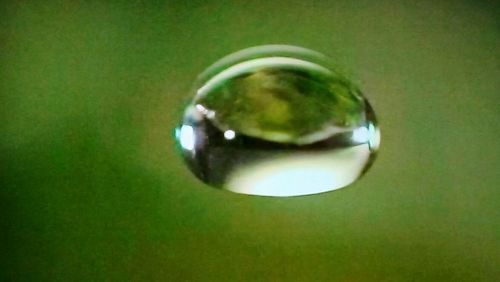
[{"x": 92, "y": 188}]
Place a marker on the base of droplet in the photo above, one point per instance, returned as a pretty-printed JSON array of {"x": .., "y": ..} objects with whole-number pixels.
[{"x": 248, "y": 165}]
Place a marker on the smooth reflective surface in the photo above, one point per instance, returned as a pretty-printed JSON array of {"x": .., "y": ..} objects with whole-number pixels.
[{"x": 277, "y": 121}]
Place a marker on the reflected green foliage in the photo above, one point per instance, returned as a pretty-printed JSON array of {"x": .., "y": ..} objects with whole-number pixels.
[{"x": 290, "y": 103}]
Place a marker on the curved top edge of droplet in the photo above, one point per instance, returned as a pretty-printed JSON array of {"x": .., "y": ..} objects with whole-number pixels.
[
  {"x": 253, "y": 64},
  {"x": 272, "y": 55},
  {"x": 272, "y": 50}
]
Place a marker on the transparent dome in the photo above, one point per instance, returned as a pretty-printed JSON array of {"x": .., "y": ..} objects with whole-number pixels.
[{"x": 277, "y": 120}]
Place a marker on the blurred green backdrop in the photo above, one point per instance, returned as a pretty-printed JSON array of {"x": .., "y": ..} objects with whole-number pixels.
[{"x": 93, "y": 190}]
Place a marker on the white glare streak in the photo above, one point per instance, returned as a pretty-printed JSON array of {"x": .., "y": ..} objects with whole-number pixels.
[
  {"x": 187, "y": 137},
  {"x": 374, "y": 140}
]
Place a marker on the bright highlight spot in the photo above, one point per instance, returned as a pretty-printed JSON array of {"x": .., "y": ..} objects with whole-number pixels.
[
  {"x": 186, "y": 137},
  {"x": 360, "y": 135},
  {"x": 229, "y": 134}
]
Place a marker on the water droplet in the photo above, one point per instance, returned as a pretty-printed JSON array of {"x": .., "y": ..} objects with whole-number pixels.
[{"x": 277, "y": 120}]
